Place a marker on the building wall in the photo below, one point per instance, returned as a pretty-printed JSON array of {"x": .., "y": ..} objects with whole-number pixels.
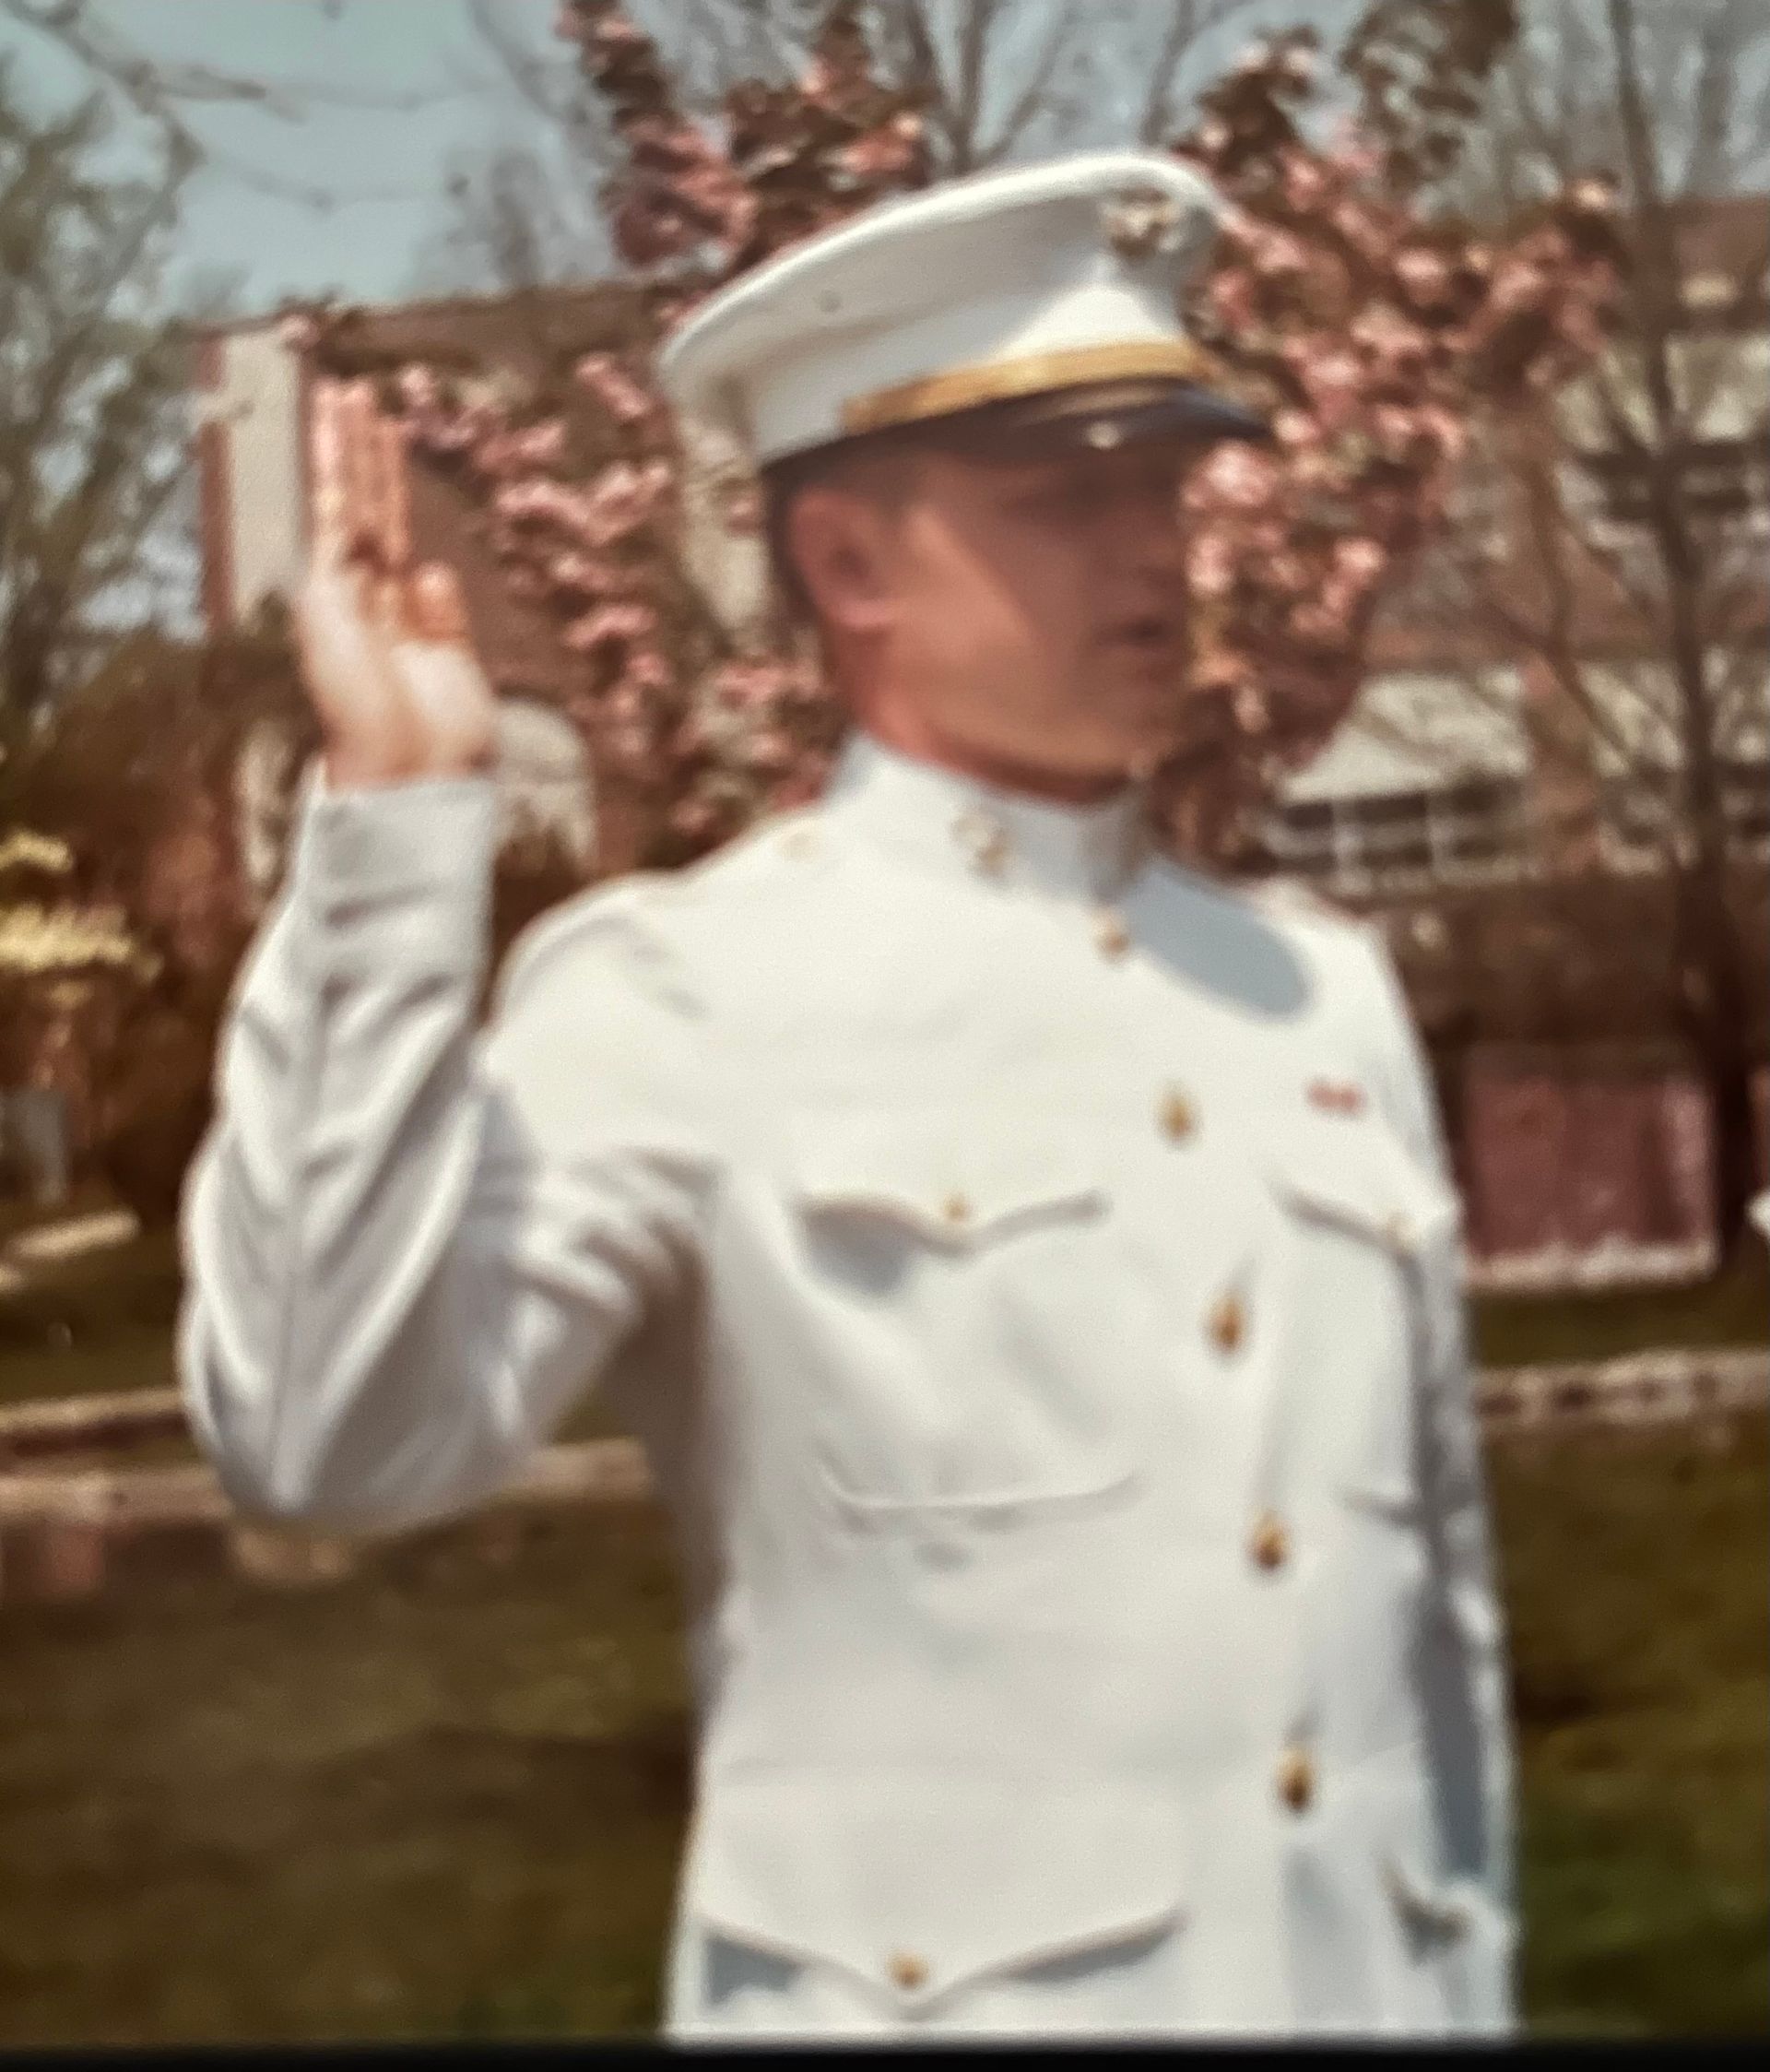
[{"x": 254, "y": 476}]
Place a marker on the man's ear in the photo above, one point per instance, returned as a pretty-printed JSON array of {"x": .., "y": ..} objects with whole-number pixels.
[{"x": 840, "y": 543}]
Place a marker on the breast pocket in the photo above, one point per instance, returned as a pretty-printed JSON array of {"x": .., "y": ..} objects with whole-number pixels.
[
  {"x": 973, "y": 1350},
  {"x": 1372, "y": 1236}
]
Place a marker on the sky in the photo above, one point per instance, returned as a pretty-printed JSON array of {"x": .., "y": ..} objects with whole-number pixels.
[
  {"x": 381, "y": 168},
  {"x": 394, "y": 93}
]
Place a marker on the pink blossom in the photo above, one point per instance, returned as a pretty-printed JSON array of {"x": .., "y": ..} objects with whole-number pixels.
[
  {"x": 1239, "y": 475},
  {"x": 1351, "y": 155},
  {"x": 649, "y": 226},
  {"x": 1423, "y": 274},
  {"x": 723, "y": 204},
  {"x": 611, "y": 624},
  {"x": 1305, "y": 178},
  {"x": 746, "y": 686},
  {"x": 1394, "y": 426},
  {"x": 1333, "y": 381},
  {"x": 882, "y": 154},
  {"x": 1274, "y": 254},
  {"x": 614, "y": 36},
  {"x": 1399, "y": 346},
  {"x": 770, "y": 751},
  {"x": 1211, "y": 563},
  {"x": 647, "y": 674},
  {"x": 1518, "y": 284},
  {"x": 572, "y": 571},
  {"x": 419, "y": 388},
  {"x": 621, "y": 500},
  {"x": 1361, "y": 227},
  {"x": 1362, "y": 561},
  {"x": 1253, "y": 713},
  {"x": 1444, "y": 426},
  {"x": 629, "y": 743},
  {"x": 1233, "y": 296},
  {"x": 741, "y": 507},
  {"x": 1320, "y": 623},
  {"x": 614, "y": 388},
  {"x": 693, "y": 817}
]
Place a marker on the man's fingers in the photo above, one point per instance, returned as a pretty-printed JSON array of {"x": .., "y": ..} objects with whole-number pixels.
[
  {"x": 359, "y": 465},
  {"x": 345, "y": 653},
  {"x": 325, "y": 452},
  {"x": 435, "y": 609},
  {"x": 393, "y": 495}
]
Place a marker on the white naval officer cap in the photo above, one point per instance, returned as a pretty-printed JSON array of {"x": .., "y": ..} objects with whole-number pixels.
[{"x": 1044, "y": 302}]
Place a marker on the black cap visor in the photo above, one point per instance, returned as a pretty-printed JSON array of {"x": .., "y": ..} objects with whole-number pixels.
[{"x": 1099, "y": 418}]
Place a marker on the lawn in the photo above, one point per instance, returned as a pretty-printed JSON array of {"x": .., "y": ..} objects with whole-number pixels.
[
  {"x": 443, "y": 1799},
  {"x": 102, "y": 1323}
]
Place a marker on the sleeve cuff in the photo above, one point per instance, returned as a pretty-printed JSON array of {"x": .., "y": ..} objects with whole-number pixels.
[{"x": 400, "y": 872}]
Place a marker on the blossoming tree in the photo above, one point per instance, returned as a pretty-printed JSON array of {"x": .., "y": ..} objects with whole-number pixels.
[{"x": 1371, "y": 331}]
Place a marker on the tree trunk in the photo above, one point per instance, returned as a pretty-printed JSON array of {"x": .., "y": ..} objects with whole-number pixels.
[{"x": 1717, "y": 1012}]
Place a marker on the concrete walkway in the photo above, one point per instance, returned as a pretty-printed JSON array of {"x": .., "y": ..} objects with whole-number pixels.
[{"x": 48, "y": 1244}]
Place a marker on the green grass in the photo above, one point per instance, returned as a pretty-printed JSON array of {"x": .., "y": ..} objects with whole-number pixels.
[
  {"x": 102, "y": 1322},
  {"x": 443, "y": 1799},
  {"x": 1731, "y": 1308}
]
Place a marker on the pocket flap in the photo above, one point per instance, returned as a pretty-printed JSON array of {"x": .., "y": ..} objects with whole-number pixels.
[
  {"x": 917, "y": 1881},
  {"x": 1435, "y": 1905},
  {"x": 951, "y": 1179},
  {"x": 1355, "y": 1171},
  {"x": 1436, "y": 1910}
]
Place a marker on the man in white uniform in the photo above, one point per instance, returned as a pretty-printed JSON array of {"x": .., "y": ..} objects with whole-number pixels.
[{"x": 1030, "y": 1265}]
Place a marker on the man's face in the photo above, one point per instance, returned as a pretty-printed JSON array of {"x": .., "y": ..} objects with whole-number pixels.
[{"x": 1037, "y": 608}]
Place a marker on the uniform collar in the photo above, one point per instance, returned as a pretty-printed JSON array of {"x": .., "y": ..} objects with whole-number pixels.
[{"x": 948, "y": 820}]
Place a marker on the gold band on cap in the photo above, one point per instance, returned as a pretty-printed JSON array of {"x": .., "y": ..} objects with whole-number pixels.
[{"x": 994, "y": 381}]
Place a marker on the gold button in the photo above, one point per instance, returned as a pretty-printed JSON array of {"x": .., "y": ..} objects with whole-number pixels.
[
  {"x": 956, "y": 1209},
  {"x": 802, "y": 841},
  {"x": 985, "y": 839},
  {"x": 1399, "y": 1230},
  {"x": 1179, "y": 1117},
  {"x": 1271, "y": 1543},
  {"x": 1228, "y": 1323},
  {"x": 1297, "y": 1779},
  {"x": 908, "y": 1969},
  {"x": 1113, "y": 936}
]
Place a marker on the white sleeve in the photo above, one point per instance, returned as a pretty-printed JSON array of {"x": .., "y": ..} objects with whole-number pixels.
[
  {"x": 410, "y": 1247},
  {"x": 1468, "y": 1703}
]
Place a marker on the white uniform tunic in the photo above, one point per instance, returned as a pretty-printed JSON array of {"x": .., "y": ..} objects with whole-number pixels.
[{"x": 1030, "y": 1268}]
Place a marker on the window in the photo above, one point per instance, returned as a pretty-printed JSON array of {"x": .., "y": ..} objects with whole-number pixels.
[
  {"x": 1723, "y": 479},
  {"x": 1642, "y": 809},
  {"x": 1394, "y": 840}
]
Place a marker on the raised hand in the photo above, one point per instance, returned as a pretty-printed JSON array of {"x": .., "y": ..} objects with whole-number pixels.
[{"x": 385, "y": 647}]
